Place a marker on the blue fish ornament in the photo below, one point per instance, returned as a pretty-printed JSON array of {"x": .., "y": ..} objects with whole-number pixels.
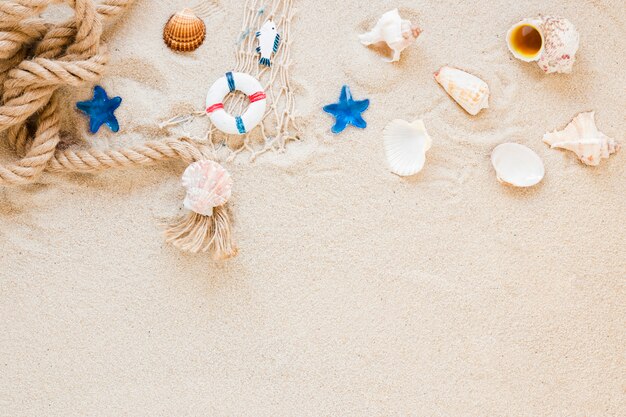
[{"x": 269, "y": 40}]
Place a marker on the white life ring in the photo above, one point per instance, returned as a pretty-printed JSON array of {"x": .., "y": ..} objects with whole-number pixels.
[{"x": 253, "y": 115}]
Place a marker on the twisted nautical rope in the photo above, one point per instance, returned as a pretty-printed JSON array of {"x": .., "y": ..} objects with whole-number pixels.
[{"x": 36, "y": 60}]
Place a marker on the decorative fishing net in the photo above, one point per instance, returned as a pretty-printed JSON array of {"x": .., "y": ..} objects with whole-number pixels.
[{"x": 279, "y": 125}]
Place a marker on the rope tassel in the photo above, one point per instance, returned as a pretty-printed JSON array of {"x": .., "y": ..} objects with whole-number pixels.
[
  {"x": 197, "y": 233},
  {"x": 207, "y": 228}
]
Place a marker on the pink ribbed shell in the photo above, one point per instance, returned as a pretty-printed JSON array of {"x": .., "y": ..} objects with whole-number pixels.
[{"x": 208, "y": 185}]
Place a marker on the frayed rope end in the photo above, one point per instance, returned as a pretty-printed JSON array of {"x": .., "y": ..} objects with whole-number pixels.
[{"x": 195, "y": 233}]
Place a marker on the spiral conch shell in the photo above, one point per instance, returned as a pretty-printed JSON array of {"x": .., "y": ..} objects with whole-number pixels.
[
  {"x": 208, "y": 185},
  {"x": 550, "y": 41},
  {"x": 184, "y": 32},
  {"x": 396, "y": 32},
  {"x": 583, "y": 137},
  {"x": 469, "y": 91}
]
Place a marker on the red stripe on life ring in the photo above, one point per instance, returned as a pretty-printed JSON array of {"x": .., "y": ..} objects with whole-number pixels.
[
  {"x": 214, "y": 107},
  {"x": 257, "y": 97}
]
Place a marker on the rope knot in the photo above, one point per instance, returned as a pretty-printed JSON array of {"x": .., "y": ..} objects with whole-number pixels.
[{"x": 36, "y": 59}]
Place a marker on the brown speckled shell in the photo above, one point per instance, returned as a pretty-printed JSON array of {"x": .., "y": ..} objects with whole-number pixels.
[{"x": 184, "y": 32}]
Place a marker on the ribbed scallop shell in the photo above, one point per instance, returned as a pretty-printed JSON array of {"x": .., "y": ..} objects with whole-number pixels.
[
  {"x": 406, "y": 145},
  {"x": 184, "y": 32},
  {"x": 208, "y": 185},
  {"x": 469, "y": 91}
]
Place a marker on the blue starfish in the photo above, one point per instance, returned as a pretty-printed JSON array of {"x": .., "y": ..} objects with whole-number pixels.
[
  {"x": 347, "y": 111},
  {"x": 100, "y": 110}
]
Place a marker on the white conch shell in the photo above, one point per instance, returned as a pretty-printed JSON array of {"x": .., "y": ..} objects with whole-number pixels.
[
  {"x": 396, "y": 32},
  {"x": 208, "y": 185},
  {"x": 560, "y": 43},
  {"x": 406, "y": 145},
  {"x": 517, "y": 165},
  {"x": 469, "y": 91},
  {"x": 583, "y": 137}
]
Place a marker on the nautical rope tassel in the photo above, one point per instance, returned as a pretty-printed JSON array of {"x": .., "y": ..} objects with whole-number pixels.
[{"x": 207, "y": 227}]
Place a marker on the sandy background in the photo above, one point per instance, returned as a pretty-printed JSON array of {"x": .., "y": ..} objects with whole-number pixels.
[{"x": 356, "y": 292}]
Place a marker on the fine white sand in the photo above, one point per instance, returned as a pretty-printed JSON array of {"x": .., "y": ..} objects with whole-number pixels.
[{"x": 356, "y": 292}]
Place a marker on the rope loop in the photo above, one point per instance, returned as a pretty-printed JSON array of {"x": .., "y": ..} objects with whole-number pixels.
[{"x": 36, "y": 60}]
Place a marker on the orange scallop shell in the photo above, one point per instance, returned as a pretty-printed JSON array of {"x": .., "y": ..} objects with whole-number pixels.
[{"x": 184, "y": 32}]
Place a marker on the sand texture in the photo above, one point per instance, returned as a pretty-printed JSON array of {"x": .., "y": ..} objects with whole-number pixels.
[{"x": 356, "y": 292}]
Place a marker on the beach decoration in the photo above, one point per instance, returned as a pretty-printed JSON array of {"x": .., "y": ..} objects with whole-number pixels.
[
  {"x": 208, "y": 225},
  {"x": 269, "y": 40},
  {"x": 208, "y": 186},
  {"x": 101, "y": 110},
  {"x": 550, "y": 41},
  {"x": 347, "y": 111},
  {"x": 279, "y": 124},
  {"x": 184, "y": 31},
  {"x": 35, "y": 104},
  {"x": 236, "y": 81},
  {"x": 582, "y": 137},
  {"x": 394, "y": 31},
  {"x": 517, "y": 165},
  {"x": 469, "y": 91},
  {"x": 63, "y": 56},
  {"x": 406, "y": 145}
]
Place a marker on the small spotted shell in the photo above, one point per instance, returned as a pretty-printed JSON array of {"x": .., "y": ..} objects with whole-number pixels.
[
  {"x": 208, "y": 185},
  {"x": 184, "y": 32},
  {"x": 561, "y": 41},
  {"x": 469, "y": 91}
]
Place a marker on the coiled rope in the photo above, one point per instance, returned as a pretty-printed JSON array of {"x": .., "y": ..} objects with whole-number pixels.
[{"x": 38, "y": 58}]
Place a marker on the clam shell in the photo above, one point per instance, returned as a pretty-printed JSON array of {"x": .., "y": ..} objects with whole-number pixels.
[
  {"x": 406, "y": 145},
  {"x": 184, "y": 32},
  {"x": 517, "y": 165},
  {"x": 469, "y": 91},
  {"x": 582, "y": 137},
  {"x": 208, "y": 185}
]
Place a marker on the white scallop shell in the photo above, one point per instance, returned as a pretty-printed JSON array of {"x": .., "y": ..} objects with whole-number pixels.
[
  {"x": 406, "y": 145},
  {"x": 208, "y": 185},
  {"x": 396, "y": 32},
  {"x": 517, "y": 165},
  {"x": 583, "y": 137},
  {"x": 469, "y": 91}
]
